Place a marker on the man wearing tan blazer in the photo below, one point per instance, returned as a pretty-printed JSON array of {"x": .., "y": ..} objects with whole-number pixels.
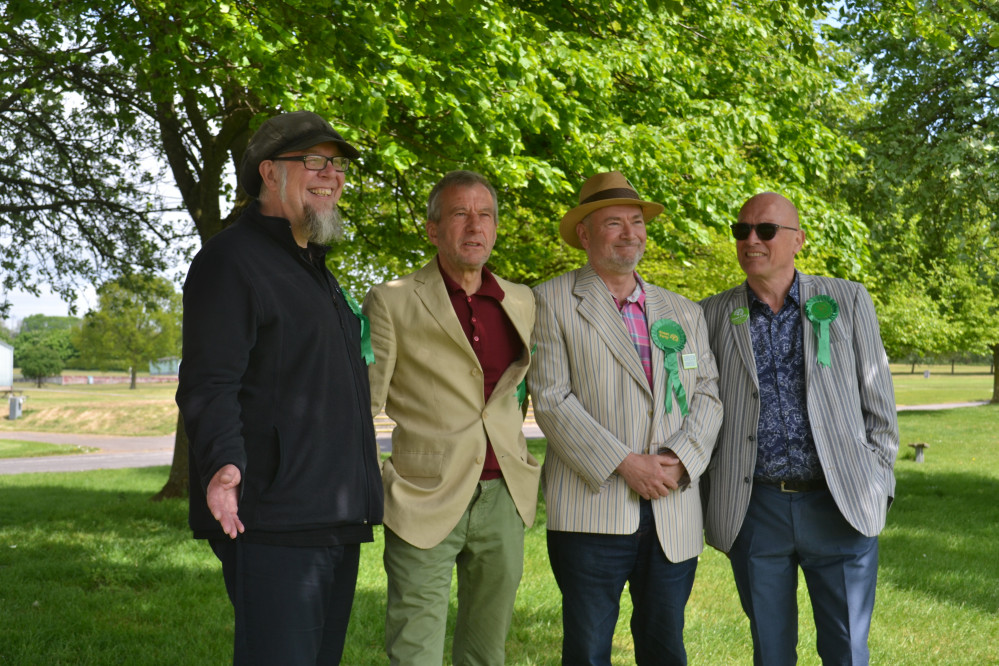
[
  {"x": 625, "y": 389},
  {"x": 802, "y": 474},
  {"x": 451, "y": 345}
]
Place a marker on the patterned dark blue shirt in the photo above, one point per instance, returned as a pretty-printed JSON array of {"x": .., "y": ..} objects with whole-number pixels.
[{"x": 785, "y": 449}]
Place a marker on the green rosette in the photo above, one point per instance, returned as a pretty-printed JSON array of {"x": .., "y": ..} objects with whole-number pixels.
[
  {"x": 822, "y": 311},
  {"x": 366, "y": 351},
  {"x": 669, "y": 336},
  {"x": 522, "y": 386}
]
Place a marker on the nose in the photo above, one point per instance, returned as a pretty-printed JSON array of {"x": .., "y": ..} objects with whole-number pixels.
[{"x": 475, "y": 221}]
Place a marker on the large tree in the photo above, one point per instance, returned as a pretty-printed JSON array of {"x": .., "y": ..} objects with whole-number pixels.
[
  {"x": 137, "y": 320},
  {"x": 928, "y": 181},
  {"x": 700, "y": 104}
]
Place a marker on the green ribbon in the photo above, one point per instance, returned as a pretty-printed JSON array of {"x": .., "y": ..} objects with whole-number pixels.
[
  {"x": 822, "y": 311},
  {"x": 669, "y": 336},
  {"x": 522, "y": 386},
  {"x": 366, "y": 351}
]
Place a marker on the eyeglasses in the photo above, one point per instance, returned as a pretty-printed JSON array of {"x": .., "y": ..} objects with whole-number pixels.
[
  {"x": 317, "y": 162},
  {"x": 764, "y": 230}
]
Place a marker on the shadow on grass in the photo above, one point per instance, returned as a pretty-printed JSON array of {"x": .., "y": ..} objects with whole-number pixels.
[{"x": 942, "y": 536}]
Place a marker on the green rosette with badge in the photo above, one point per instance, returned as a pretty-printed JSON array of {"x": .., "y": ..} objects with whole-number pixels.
[
  {"x": 822, "y": 311},
  {"x": 366, "y": 351},
  {"x": 669, "y": 336}
]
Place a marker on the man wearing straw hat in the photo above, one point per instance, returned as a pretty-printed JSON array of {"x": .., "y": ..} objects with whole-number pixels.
[{"x": 625, "y": 389}]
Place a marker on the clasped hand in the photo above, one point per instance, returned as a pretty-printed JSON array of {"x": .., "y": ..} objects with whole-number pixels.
[{"x": 653, "y": 475}]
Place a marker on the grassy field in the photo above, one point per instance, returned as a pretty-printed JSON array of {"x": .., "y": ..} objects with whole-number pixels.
[
  {"x": 97, "y": 409},
  {"x": 966, "y": 384},
  {"x": 92, "y": 572}
]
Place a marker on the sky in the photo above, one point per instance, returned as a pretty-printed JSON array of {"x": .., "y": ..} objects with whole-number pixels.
[{"x": 23, "y": 304}]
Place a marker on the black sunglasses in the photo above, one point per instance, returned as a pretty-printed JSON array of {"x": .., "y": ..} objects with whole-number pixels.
[{"x": 764, "y": 230}]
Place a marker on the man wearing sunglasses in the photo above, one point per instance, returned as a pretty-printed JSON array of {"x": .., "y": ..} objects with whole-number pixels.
[
  {"x": 284, "y": 474},
  {"x": 802, "y": 475}
]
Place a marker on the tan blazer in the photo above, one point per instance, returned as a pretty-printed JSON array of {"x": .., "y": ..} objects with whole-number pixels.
[
  {"x": 593, "y": 402},
  {"x": 430, "y": 382},
  {"x": 851, "y": 408}
]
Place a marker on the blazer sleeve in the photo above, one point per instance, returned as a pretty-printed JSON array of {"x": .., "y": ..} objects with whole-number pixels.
[
  {"x": 585, "y": 445},
  {"x": 877, "y": 393},
  {"x": 383, "y": 344}
]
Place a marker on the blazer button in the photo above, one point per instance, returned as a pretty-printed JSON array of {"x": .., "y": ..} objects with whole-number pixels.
[
  {"x": 479, "y": 460},
  {"x": 748, "y": 480},
  {"x": 752, "y": 438},
  {"x": 755, "y": 395}
]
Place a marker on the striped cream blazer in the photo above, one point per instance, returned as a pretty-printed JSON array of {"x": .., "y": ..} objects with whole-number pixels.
[
  {"x": 593, "y": 402},
  {"x": 851, "y": 407}
]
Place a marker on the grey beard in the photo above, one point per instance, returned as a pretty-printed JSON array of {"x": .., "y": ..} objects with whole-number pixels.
[
  {"x": 323, "y": 227},
  {"x": 626, "y": 265}
]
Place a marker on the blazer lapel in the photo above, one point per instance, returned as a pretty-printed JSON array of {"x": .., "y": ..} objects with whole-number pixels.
[
  {"x": 807, "y": 289},
  {"x": 431, "y": 291},
  {"x": 596, "y": 305},
  {"x": 518, "y": 312},
  {"x": 741, "y": 332},
  {"x": 656, "y": 308}
]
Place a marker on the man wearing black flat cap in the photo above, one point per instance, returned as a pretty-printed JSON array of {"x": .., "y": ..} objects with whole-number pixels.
[
  {"x": 626, "y": 391},
  {"x": 284, "y": 473}
]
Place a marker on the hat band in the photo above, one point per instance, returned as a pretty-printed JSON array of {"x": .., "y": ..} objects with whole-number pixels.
[{"x": 613, "y": 193}]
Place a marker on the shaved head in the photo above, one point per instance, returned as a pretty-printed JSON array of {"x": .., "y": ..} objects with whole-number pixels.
[{"x": 777, "y": 204}]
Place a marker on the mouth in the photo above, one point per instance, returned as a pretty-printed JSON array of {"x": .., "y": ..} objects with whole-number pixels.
[
  {"x": 756, "y": 254},
  {"x": 321, "y": 191}
]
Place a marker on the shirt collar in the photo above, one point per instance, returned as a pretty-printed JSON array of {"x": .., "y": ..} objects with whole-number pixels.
[
  {"x": 637, "y": 296},
  {"x": 793, "y": 296},
  {"x": 490, "y": 287}
]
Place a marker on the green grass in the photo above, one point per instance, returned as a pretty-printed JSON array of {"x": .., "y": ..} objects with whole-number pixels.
[
  {"x": 16, "y": 448},
  {"x": 967, "y": 384},
  {"x": 92, "y": 572},
  {"x": 97, "y": 409}
]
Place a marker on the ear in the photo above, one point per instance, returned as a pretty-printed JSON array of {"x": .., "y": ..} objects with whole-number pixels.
[
  {"x": 431, "y": 228},
  {"x": 268, "y": 175},
  {"x": 584, "y": 237},
  {"x": 801, "y": 241}
]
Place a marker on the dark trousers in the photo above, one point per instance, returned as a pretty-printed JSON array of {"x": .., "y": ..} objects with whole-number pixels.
[
  {"x": 591, "y": 570},
  {"x": 291, "y": 604},
  {"x": 784, "y": 531}
]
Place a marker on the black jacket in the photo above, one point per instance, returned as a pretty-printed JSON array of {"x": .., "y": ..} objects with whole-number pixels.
[{"x": 272, "y": 381}]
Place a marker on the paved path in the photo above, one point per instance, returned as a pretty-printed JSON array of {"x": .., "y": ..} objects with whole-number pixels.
[{"x": 117, "y": 452}]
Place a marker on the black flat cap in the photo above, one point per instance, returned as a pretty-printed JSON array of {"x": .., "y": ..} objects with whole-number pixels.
[{"x": 284, "y": 133}]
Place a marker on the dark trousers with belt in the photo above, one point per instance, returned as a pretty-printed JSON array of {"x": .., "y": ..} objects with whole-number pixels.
[
  {"x": 291, "y": 605},
  {"x": 786, "y": 530}
]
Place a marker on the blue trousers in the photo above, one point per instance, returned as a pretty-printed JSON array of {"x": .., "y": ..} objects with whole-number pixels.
[
  {"x": 291, "y": 605},
  {"x": 591, "y": 570},
  {"x": 781, "y": 532}
]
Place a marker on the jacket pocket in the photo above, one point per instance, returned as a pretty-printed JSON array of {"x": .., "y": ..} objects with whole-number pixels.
[{"x": 418, "y": 464}]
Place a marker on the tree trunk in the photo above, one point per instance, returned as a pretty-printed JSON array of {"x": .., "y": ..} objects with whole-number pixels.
[
  {"x": 176, "y": 485},
  {"x": 133, "y": 373}
]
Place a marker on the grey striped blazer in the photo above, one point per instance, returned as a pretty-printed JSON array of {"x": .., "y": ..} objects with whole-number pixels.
[
  {"x": 851, "y": 407},
  {"x": 593, "y": 402}
]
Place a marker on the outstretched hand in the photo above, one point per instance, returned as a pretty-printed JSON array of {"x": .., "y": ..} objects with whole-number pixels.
[{"x": 223, "y": 499}]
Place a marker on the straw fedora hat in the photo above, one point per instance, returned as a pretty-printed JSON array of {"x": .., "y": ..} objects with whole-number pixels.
[{"x": 599, "y": 191}]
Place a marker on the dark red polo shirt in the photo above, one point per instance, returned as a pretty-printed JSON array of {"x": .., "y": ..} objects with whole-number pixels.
[{"x": 492, "y": 336}]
